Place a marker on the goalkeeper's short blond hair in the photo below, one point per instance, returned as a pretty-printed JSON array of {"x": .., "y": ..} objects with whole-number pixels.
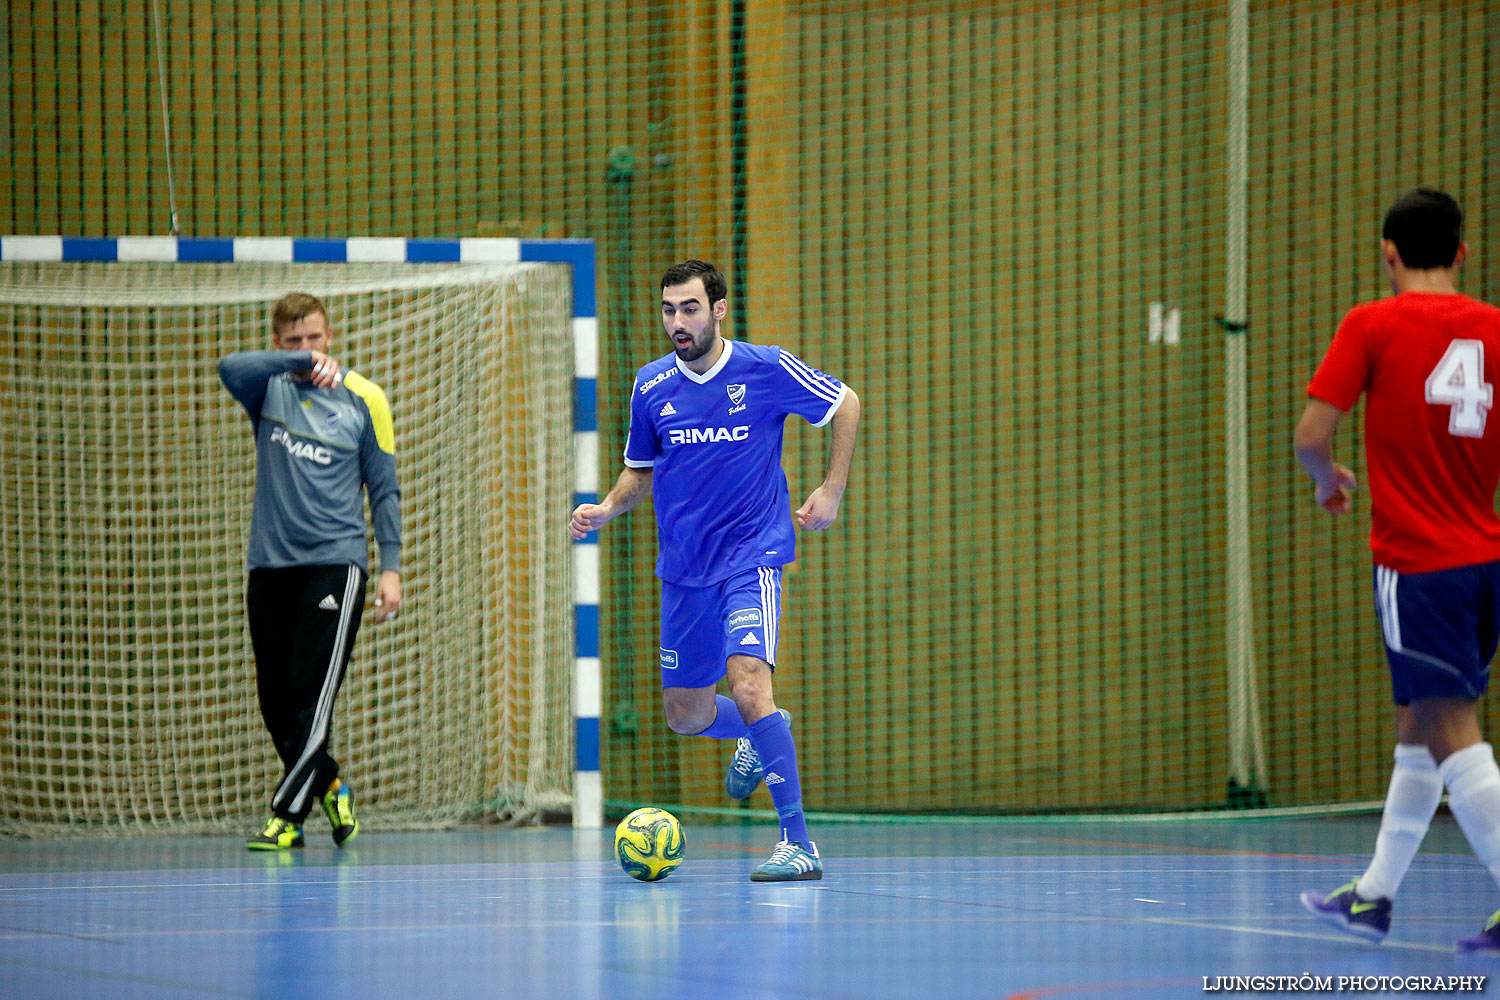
[{"x": 292, "y": 307}]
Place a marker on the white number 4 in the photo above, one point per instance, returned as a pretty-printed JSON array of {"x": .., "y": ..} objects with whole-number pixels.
[{"x": 1458, "y": 382}]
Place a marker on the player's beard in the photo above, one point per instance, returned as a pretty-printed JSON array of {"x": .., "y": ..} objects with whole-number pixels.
[{"x": 695, "y": 350}]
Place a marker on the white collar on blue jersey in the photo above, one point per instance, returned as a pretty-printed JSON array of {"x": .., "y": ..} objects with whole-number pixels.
[{"x": 708, "y": 376}]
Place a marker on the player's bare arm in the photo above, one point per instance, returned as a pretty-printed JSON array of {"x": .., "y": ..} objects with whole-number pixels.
[
  {"x": 630, "y": 489},
  {"x": 1313, "y": 442},
  {"x": 822, "y": 505}
]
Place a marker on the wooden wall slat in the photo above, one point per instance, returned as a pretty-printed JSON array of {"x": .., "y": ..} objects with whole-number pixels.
[
  {"x": 67, "y": 72},
  {"x": 426, "y": 128},
  {"x": 221, "y": 49},
  {"x": 273, "y": 176},
  {"x": 310, "y": 209},
  {"x": 43, "y": 136},
  {"x": 140, "y": 147},
  {"x": 8, "y": 115},
  {"x": 199, "y": 191},
  {"x": 340, "y": 70},
  {"x": 244, "y": 94},
  {"x": 91, "y": 97}
]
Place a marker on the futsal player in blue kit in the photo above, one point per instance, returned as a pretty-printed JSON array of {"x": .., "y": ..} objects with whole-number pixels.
[{"x": 705, "y": 439}]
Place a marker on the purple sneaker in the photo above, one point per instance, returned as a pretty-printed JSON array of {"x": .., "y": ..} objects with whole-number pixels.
[
  {"x": 1366, "y": 918},
  {"x": 1487, "y": 941}
]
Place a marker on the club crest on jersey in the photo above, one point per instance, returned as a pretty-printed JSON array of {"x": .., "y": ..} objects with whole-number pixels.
[{"x": 736, "y": 397}]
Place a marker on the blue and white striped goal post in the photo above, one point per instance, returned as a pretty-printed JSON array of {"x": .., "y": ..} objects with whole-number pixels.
[{"x": 588, "y": 792}]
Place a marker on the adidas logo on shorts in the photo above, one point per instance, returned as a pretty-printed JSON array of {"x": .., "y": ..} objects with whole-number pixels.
[{"x": 328, "y": 603}]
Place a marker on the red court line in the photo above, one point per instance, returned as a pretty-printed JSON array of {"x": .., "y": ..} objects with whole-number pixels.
[{"x": 736, "y": 847}]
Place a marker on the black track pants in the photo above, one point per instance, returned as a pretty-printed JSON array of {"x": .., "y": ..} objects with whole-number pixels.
[{"x": 303, "y": 620}]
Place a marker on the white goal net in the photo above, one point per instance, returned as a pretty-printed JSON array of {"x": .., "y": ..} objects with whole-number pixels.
[{"x": 127, "y": 685}]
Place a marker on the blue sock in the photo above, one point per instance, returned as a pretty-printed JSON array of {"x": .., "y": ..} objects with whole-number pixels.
[
  {"x": 778, "y": 755},
  {"x": 728, "y": 724}
]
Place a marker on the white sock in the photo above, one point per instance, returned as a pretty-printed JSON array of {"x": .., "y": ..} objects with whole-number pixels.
[
  {"x": 1473, "y": 781},
  {"x": 1410, "y": 803}
]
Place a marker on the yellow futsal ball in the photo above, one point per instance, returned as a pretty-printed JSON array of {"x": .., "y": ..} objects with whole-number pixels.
[{"x": 649, "y": 844}]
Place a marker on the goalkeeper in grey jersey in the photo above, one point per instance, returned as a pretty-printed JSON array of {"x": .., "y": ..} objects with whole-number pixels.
[{"x": 322, "y": 437}]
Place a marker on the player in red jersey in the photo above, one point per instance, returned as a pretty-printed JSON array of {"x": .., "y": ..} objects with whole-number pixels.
[{"x": 1426, "y": 361}]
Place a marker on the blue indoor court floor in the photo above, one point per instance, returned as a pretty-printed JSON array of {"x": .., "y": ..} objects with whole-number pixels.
[{"x": 1004, "y": 910}]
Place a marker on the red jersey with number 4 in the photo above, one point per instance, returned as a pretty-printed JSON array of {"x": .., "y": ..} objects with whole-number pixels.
[{"x": 1428, "y": 365}]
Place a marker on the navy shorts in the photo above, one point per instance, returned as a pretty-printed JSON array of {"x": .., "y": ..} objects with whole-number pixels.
[
  {"x": 1440, "y": 629},
  {"x": 702, "y": 626}
]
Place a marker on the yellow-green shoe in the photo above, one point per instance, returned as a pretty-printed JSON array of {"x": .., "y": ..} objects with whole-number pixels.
[
  {"x": 279, "y": 835},
  {"x": 338, "y": 806}
]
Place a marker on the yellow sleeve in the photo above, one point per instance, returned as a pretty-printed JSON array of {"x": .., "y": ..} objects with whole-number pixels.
[{"x": 380, "y": 409}]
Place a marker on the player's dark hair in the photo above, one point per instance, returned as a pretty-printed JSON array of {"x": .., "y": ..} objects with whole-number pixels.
[
  {"x": 713, "y": 281},
  {"x": 1427, "y": 226},
  {"x": 292, "y": 307}
]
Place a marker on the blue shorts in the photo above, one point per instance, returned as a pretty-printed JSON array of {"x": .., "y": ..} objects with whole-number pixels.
[
  {"x": 1440, "y": 629},
  {"x": 701, "y": 627}
]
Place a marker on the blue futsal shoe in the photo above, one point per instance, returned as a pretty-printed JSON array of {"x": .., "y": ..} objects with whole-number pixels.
[
  {"x": 1366, "y": 918},
  {"x": 1487, "y": 941},
  {"x": 790, "y": 862},
  {"x": 745, "y": 773}
]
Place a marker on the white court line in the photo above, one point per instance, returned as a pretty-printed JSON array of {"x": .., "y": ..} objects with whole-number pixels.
[
  {"x": 310, "y": 883},
  {"x": 740, "y": 920},
  {"x": 1300, "y": 935},
  {"x": 546, "y": 870}
]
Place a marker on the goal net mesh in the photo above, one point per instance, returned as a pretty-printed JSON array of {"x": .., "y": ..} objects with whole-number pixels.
[{"x": 127, "y": 683}]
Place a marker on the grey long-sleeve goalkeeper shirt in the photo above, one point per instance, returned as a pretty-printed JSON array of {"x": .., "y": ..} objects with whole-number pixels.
[{"x": 316, "y": 449}]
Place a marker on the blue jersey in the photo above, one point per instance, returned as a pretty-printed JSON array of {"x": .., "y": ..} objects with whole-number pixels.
[{"x": 713, "y": 443}]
